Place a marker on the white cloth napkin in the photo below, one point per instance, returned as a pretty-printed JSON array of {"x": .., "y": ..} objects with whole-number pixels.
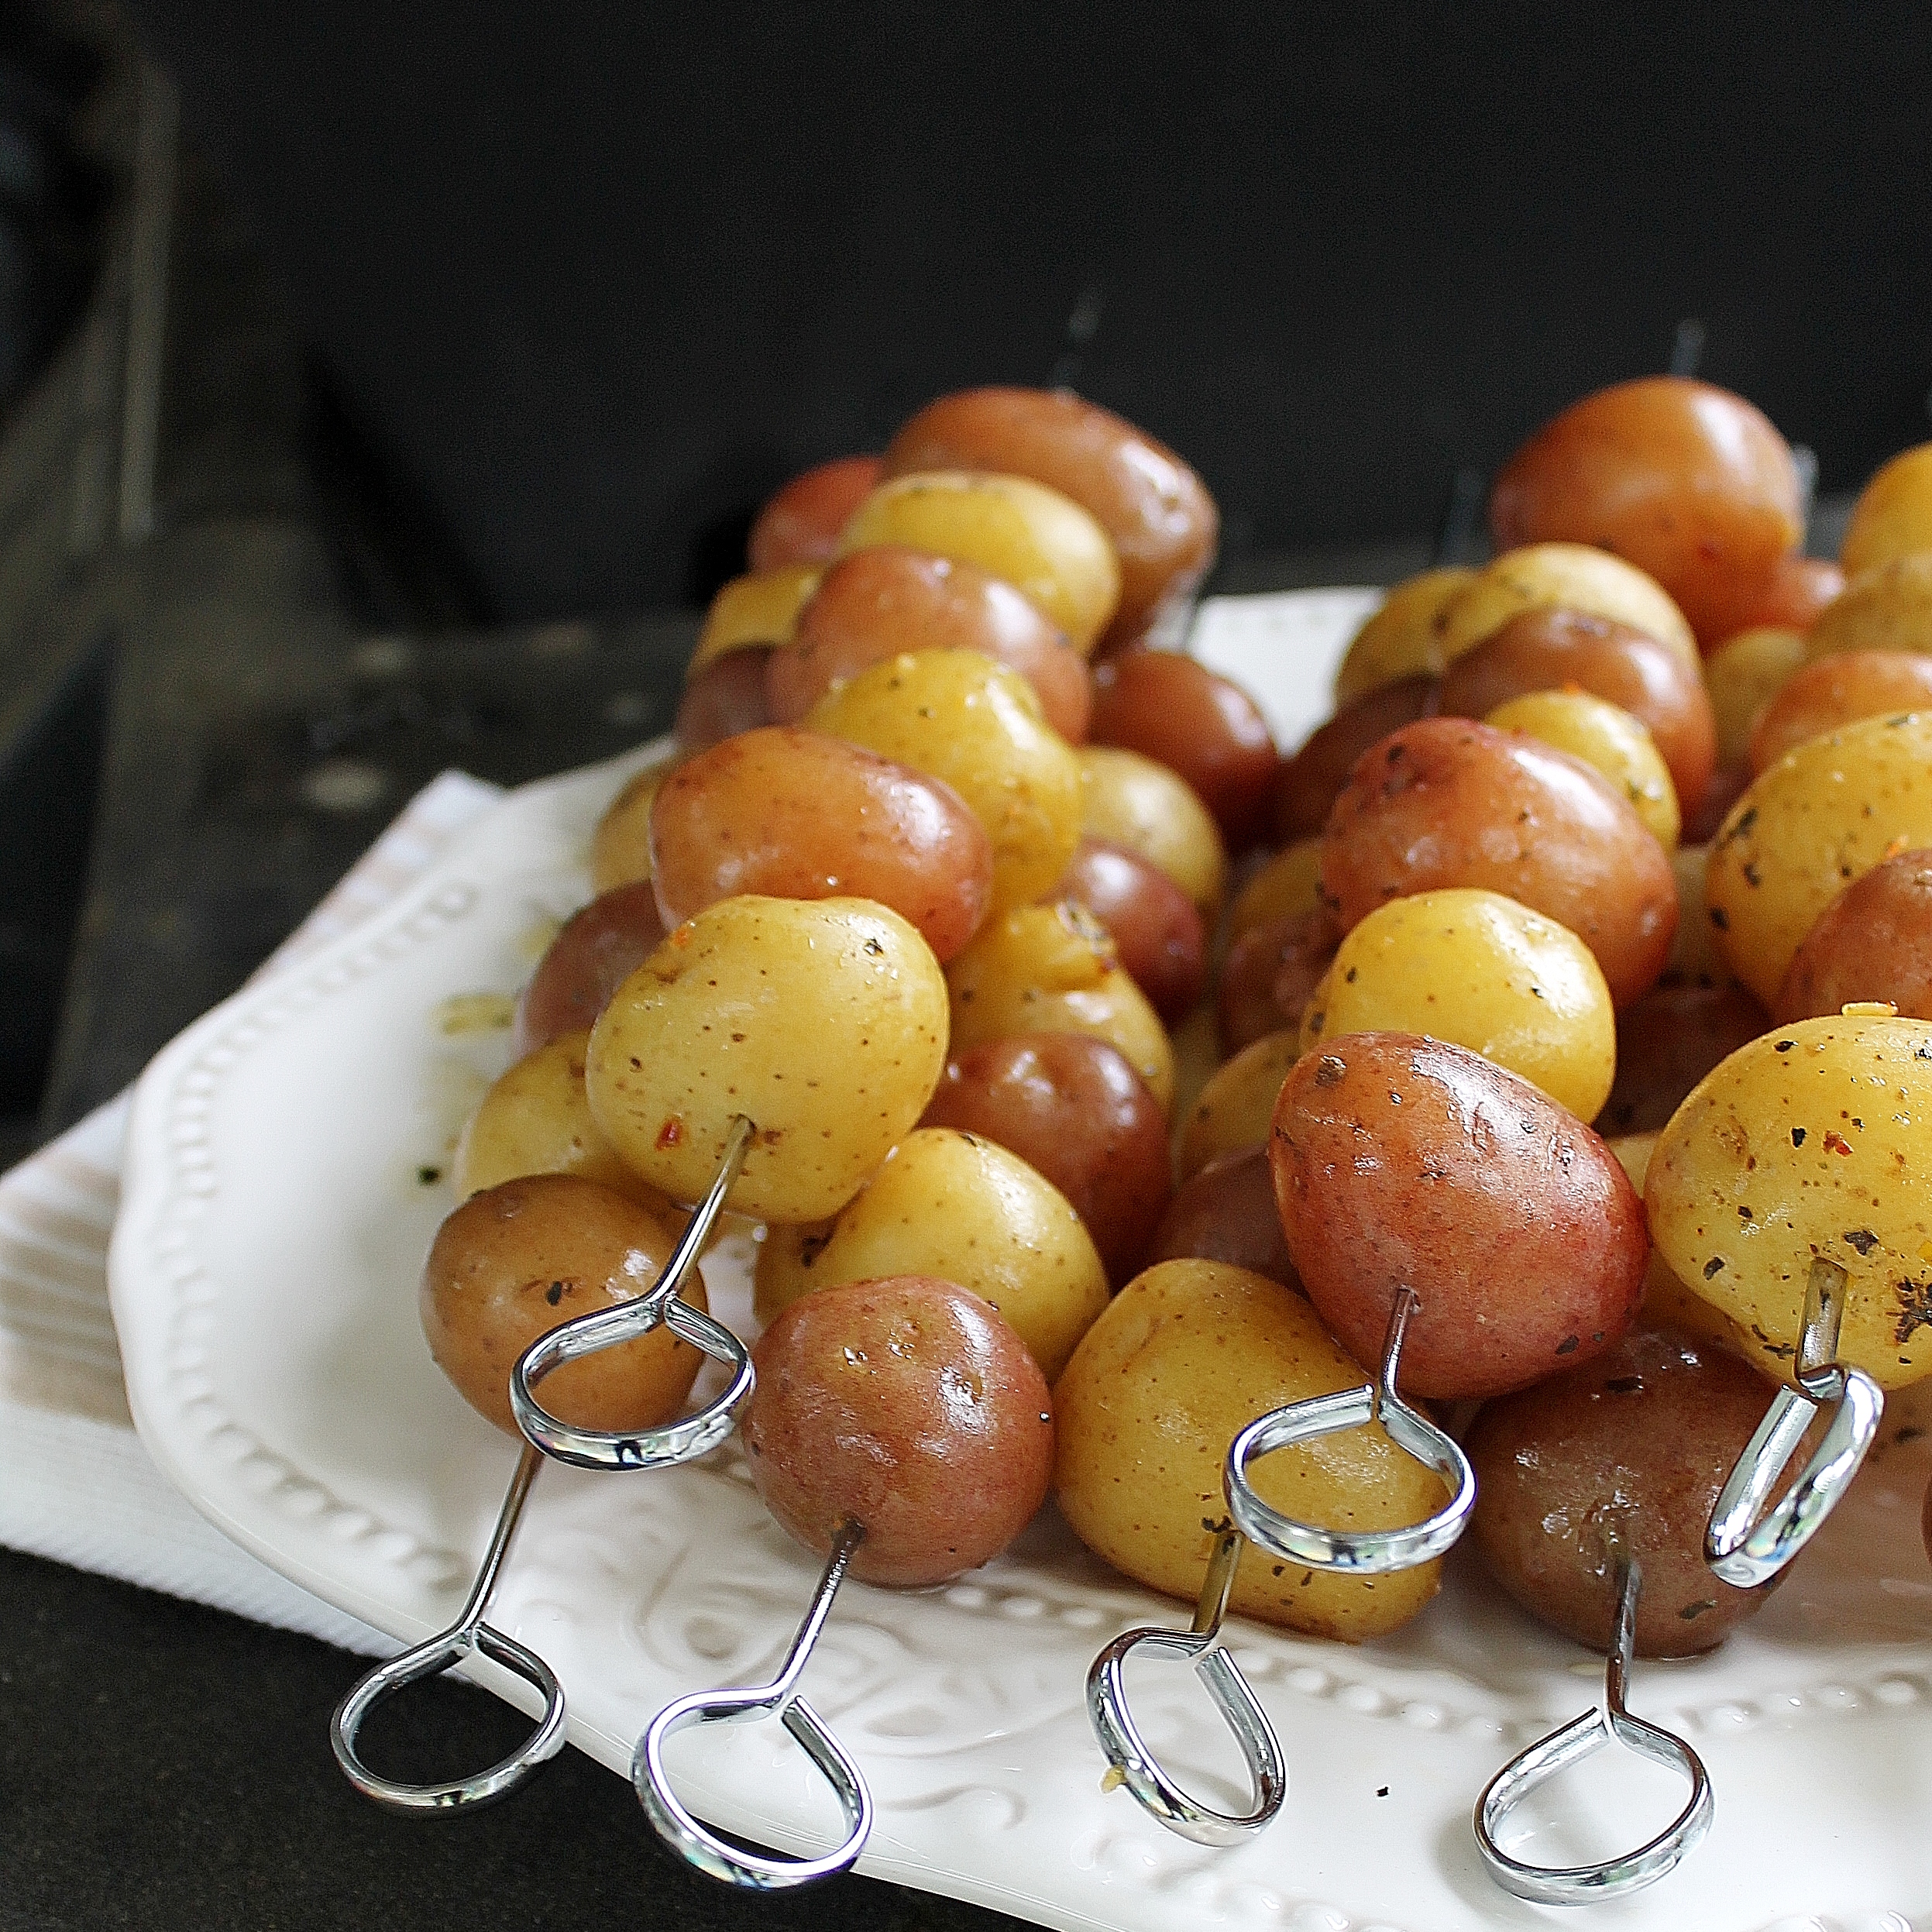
[{"x": 75, "y": 1483}]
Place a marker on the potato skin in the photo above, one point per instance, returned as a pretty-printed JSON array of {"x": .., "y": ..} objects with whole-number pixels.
[
  {"x": 1830, "y": 692},
  {"x": 1449, "y": 802},
  {"x": 1155, "y": 928},
  {"x": 800, "y": 524},
  {"x": 1823, "y": 815},
  {"x": 824, "y": 1021},
  {"x": 1873, "y": 942},
  {"x": 1814, "y": 1139},
  {"x": 908, "y": 1403},
  {"x": 1155, "y": 509},
  {"x": 1403, "y": 1162},
  {"x": 1886, "y": 608},
  {"x": 600, "y": 947},
  {"x": 1646, "y": 1435},
  {"x": 793, "y": 814},
  {"x": 1690, "y": 482},
  {"x": 522, "y": 1258},
  {"x": 1399, "y": 638},
  {"x": 1187, "y": 1355},
  {"x": 1893, "y": 517}
]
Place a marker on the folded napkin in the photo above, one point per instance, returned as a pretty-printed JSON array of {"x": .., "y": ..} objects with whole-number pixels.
[{"x": 75, "y": 1483}]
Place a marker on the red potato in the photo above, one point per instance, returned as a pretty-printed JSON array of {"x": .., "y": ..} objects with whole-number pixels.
[
  {"x": 790, "y": 814},
  {"x": 724, "y": 698},
  {"x": 1155, "y": 927},
  {"x": 1553, "y": 650},
  {"x": 907, "y": 1404},
  {"x": 1450, "y": 802},
  {"x": 1687, "y": 481},
  {"x": 1270, "y": 974},
  {"x": 1307, "y": 784},
  {"x": 1638, "y": 1442},
  {"x": 600, "y": 945},
  {"x": 1167, "y": 707},
  {"x": 1800, "y": 587},
  {"x": 1873, "y": 942},
  {"x": 1074, "y": 1109},
  {"x": 1666, "y": 1042},
  {"x": 1400, "y": 1161},
  {"x": 801, "y": 524},
  {"x": 875, "y": 603},
  {"x": 1849, "y": 684},
  {"x": 1157, "y": 512},
  {"x": 1226, "y": 1212}
]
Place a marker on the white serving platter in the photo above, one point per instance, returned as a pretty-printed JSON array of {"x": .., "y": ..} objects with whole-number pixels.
[{"x": 263, "y": 1273}]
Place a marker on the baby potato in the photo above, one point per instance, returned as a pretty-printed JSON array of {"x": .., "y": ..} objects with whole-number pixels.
[
  {"x": 536, "y": 1119},
  {"x": 1608, "y": 739},
  {"x": 1742, "y": 676},
  {"x": 1888, "y": 608},
  {"x": 1561, "y": 576},
  {"x": 1235, "y": 1109},
  {"x": 1290, "y": 882},
  {"x": 1666, "y": 1042},
  {"x": 599, "y": 948},
  {"x": 727, "y": 696},
  {"x": 1398, "y": 638},
  {"x": 1839, "y": 689},
  {"x": 759, "y": 609},
  {"x": 1694, "y": 959},
  {"x": 1159, "y": 936},
  {"x": 878, "y": 603},
  {"x": 1450, "y": 802},
  {"x": 1041, "y": 542},
  {"x": 1815, "y": 1139},
  {"x": 1668, "y": 1303},
  {"x": 1642, "y": 1439},
  {"x": 1404, "y": 1162},
  {"x": 1157, "y": 512},
  {"x": 822, "y": 1021},
  {"x": 1893, "y": 517},
  {"x": 1226, "y": 1212},
  {"x": 1310, "y": 782},
  {"x": 794, "y": 814},
  {"x": 800, "y": 524},
  {"x": 1134, "y": 801},
  {"x": 1478, "y": 969},
  {"x": 1689, "y": 482},
  {"x": 1270, "y": 976},
  {"x": 1873, "y": 942},
  {"x": 1559, "y": 650},
  {"x": 961, "y": 1207},
  {"x": 1053, "y": 969},
  {"x": 621, "y": 850},
  {"x": 1204, "y": 727},
  {"x": 523, "y": 1257},
  {"x": 1186, "y": 1355},
  {"x": 957, "y": 716},
  {"x": 1823, "y": 815}
]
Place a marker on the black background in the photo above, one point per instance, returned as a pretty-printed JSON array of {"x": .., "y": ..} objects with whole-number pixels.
[{"x": 593, "y": 278}]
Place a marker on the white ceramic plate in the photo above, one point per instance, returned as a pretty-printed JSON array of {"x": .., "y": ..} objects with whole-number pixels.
[{"x": 263, "y": 1274}]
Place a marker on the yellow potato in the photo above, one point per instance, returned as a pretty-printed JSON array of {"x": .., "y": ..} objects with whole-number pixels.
[
  {"x": 1184, "y": 1358},
  {"x": 1694, "y": 958},
  {"x": 1888, "y": 608},
  {"x": 1823, "y": 816},
  {"x": 1668, "y": 1302},
  {"x": 1479, "y": 970},
  {"x": 1053, "y": 969},
  {"x": 1742, "y": 677},
  {"x": 1138, "y": 802},
  {"x": 1565, "y": 576},
  {"x": 1607, "y": 739},
  {"x": 1290, "y": 882},
  {"x": 1399, "y": 638},
  {"x": 958, "y": 1206},
  {"x": 1041, "y": 542},
  {"x": 1893, "y": 517},
  {"x": 1814, "y": 1140},
  {"x": 536, "y": 1119},
  {"x": 759, "y": 609},
  {"x": 822, "y": 1021},
  {"x": 957, "y": 716},
  {"x": 620, "y": 851},
  {"x": 1235, "y": 1109}
]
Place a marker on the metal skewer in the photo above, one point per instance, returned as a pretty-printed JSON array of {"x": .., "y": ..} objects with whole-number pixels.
[
  {"x": 695, "y": 1840},
  {"x": 672, "y": 1442},
  {"x": 1582, "y": 1737},
  {"x": 1743, "y": 1547}
]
